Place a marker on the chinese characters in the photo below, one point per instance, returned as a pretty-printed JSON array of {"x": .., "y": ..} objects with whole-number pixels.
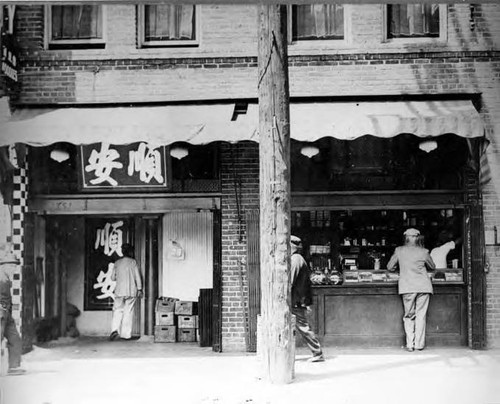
[{"x": 110, "y": 167}]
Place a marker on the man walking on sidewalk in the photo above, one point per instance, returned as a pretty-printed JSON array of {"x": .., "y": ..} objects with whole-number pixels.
[
  {"x": 8, "y": 328},
  {"x": 302, "y": 299}
]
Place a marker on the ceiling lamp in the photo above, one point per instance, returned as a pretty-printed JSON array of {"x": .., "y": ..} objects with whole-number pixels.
[
  {"x": 309, "y": 151},
  {"x": 428, "y": 145},
  {"x": 59, "y": 155},
  {"x": 179, "y": 152}
]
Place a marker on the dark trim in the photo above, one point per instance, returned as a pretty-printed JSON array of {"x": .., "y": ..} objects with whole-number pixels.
[{"x": 240, "y": 102}]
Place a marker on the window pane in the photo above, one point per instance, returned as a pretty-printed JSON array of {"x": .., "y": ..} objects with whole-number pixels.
[
  {"x": 167, "y": 22},
  {"x": 413, "y": 20},
  {"x": 76, "y": 22},
  {"x": 318, "y": 21}
]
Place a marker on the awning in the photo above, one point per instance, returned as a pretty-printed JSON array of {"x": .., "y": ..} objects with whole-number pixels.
[{"x": 202, "y": 124}]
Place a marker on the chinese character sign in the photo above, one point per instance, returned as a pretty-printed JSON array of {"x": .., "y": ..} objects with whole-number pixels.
[
  {"x": 104, "y": 238},
  {"x": 138, "y": 165}
]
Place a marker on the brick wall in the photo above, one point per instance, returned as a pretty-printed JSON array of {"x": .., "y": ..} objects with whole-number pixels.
[{"x": 240, "y": 192}]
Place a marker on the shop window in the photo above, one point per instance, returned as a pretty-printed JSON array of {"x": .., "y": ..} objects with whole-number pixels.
[
  {"x": 198, "y": 170},
  {"x": 370, "y": 164},
  {"x": 168, "y": 25},
  {"x": 75, "y": 26},
  {"x": 313, "y": 22},
  {"x": 416, "y": 21}
]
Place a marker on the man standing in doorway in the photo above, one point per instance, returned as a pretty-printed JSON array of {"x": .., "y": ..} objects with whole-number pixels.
[
  {"x": 8, "y": 263},
  {"x": 128, "y": 290},
  {"x": 302, "y": 299}
]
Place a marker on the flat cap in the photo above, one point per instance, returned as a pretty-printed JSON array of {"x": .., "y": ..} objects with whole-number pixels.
[{"x": 411, "y": 232}]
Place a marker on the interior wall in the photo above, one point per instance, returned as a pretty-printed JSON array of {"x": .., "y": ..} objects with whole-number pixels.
[
  {"x": 94, "y": 323},
  {"x": 187, "y": 254}
]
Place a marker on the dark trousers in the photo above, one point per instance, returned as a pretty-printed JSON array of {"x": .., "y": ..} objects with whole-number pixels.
[
  {"x": 302, "y": 326},
  {"x": 14, "y": 343}
]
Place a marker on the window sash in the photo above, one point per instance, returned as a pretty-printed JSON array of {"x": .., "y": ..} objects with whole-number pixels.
[
  {"x": 83, "y": 23},
  {"x": 413, "y": 21},
  {"x": 317, "y": 21},
  {"x": 169, "y": 23}
]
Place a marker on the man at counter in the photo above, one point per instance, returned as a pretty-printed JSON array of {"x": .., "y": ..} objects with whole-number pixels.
[
  {"x": 414, "y": 286},
  {"x": 302, "y": 299},
  {"x": 439, "y": 254}
]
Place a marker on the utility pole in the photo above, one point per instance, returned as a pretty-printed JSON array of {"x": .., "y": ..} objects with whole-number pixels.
[{"x": 277, "y": 345}]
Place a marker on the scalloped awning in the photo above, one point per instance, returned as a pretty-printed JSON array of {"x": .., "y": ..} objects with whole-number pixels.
[{"x": 202, "y": 124}]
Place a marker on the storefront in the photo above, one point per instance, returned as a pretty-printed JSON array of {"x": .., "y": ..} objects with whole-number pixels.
[{"x": 361, "y": 173}]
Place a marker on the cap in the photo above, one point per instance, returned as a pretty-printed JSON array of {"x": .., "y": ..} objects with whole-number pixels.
[
  {"x": 411, "y": 232},
  {"x": 8, "y": 258},
  {"x": 295, "y": 240}
]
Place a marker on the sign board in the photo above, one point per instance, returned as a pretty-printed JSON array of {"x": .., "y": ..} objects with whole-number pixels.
[
  {"x": 138, "y": 165},
  {"x": 104, "y": 238},
  {"x": 8, "y": 49}
]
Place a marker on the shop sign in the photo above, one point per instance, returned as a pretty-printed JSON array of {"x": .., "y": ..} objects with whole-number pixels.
[
  {"x": 104, "y": 238},
  {"x": 8, "y": 52},
  {"x": 138, "y": 165}
]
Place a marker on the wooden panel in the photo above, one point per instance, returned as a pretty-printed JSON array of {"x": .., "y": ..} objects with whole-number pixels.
[
  {"x": 205, "y": 317},
  {"x": 376, "y": 200},
  {"x": 253, "y": 273},
  {"x": 137, "y": 203},
  {"x": 478, "y": 281},
  {"x": 372, "y": 316},
  {"x": 217, "y": 286}
]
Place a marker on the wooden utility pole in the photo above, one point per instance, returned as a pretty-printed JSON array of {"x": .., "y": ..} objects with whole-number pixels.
[{"x": 277, "y": 350}]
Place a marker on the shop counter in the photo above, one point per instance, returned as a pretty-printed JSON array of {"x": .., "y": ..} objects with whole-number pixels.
[{"x": 359, "y": 314}]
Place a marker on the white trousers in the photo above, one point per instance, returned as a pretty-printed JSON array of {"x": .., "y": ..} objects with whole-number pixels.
[
  {"x": 415, "y": 317},
  {"x": 123, "y": 316}
]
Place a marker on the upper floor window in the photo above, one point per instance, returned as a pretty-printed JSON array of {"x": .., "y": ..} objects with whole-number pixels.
[
  {"x": 168, "y": 25},
  {"x": 317, "y": 22},
  {"x": 413, "y": 21},
  {"x": 75, "y": 26}
]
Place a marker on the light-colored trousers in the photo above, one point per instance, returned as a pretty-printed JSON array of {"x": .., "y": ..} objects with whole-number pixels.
[
  {"x": 123, "y": 316},
  {"x": 414, "y": 318}
]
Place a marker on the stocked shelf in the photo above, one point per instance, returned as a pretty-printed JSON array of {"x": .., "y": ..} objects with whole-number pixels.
[{"x": 354, "y": 246}]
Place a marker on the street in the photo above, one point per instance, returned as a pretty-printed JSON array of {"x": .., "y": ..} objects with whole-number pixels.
[{"x": 95, "y": 371}]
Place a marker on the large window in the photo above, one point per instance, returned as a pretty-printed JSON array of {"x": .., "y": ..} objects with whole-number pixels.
[
  {"x": 73, "y": 25},
  {"x": 317, "y": 22},
  {"x": 168, "y": 25},
  {"x": 413, "y": 21}
]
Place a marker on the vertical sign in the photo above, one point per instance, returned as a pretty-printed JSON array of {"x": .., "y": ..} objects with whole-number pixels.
[
  {"x": 104, "y": 238},
  {"x": 8, "y": 49},
  {"x": 137, "y": 165}
]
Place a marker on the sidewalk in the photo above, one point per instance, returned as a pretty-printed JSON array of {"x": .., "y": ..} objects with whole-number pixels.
[{"x": 98, "y": 372}]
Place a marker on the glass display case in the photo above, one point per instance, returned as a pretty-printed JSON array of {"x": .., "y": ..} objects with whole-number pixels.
[{"x": 346, "y": 247}]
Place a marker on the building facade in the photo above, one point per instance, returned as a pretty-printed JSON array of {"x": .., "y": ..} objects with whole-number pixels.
[{"x": 136, "y": 56}]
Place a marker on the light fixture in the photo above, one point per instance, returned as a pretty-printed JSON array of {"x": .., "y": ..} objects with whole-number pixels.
[
  {"x": 59, "y": 155},
  {"x": 309, "y": 151},
  {"x": 179, "y": 152},
  {"x": 428, "y": 145}
]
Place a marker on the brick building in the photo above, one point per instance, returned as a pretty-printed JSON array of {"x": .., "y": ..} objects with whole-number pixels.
[{"x": 78, "y": 88}]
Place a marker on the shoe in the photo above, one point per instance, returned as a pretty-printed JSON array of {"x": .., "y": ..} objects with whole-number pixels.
[
  {"x": 420, "y": 349},
  {"x": 113, "y": 336},
  {"x": 16, "y": 371},
  {"x": 317, "y": 358},
  {"x": 409, "y": 349}
]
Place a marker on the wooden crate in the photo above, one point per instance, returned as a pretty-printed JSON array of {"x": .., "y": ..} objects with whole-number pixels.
[
  {"x": 165, "y": 333},
  {"x": 165, "y": 318},
  {"x": 187, "y": 321},
  {"x": 186, "y": 335},
  {"x": 185, "y": 308},
  {"x": 165, "y": 306}
]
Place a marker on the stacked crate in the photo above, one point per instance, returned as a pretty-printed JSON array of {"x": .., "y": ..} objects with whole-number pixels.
[
  {"x": 187, "y": 321},
  {"x": 165, "y": 328}
]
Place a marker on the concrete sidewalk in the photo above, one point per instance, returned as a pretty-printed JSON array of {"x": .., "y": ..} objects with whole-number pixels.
[{"x": 97, "y": 371}]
